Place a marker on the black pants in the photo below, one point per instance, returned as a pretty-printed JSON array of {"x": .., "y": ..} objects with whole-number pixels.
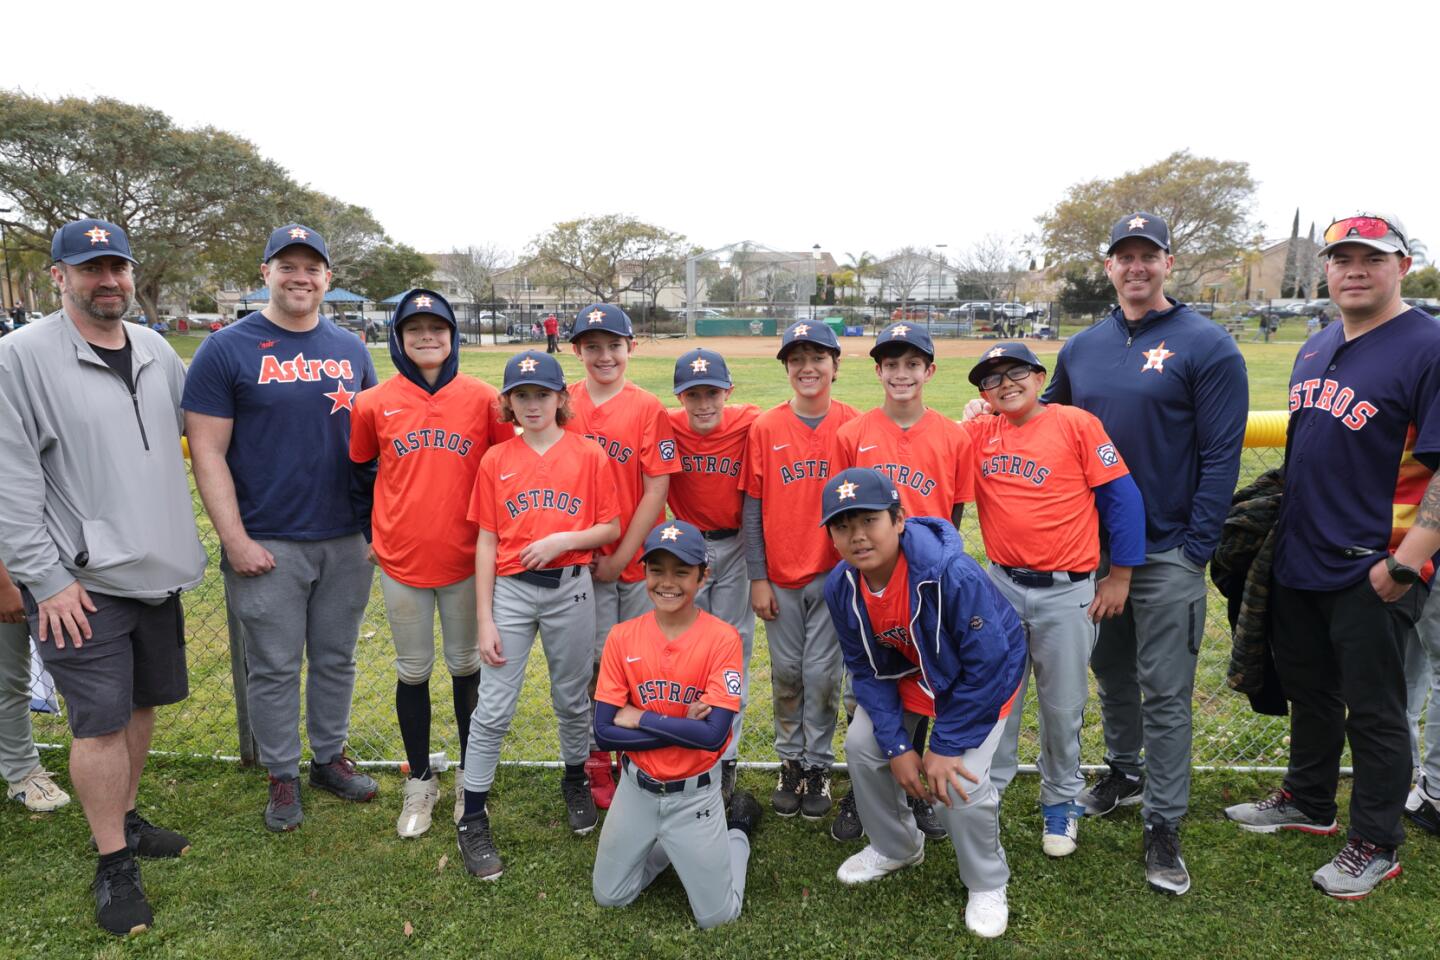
[
  {"x": 1340, "y": 655},
  {"x": 550, "y": 345}
]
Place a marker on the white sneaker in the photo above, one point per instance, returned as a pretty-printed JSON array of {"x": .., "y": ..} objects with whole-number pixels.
[
  {"x": 870, "y": 864},
  {"x": 420, "y": 797},
  {"x": 986, "y": 913},
  {"x": 38, "y": 791},
  {"x": 459, "y": 794},
  {"x": 1062, "y": 825}
]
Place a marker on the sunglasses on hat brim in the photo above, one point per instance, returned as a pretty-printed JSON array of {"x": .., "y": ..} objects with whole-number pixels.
[{"x": 1364, "y": 228}]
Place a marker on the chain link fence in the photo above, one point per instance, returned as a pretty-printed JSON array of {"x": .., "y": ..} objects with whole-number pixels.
[{"x": 1227, "y": 733}]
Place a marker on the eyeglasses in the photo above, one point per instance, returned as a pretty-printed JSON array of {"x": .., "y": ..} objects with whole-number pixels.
[
  {"x": 993, "y": 380},
  {"x": 1367, "y": 228}
]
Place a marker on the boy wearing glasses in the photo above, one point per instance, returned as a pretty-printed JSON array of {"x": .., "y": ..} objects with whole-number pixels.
[
  {"x": 1044, "y": 476},
  {"x": 1356, "y": 543}
]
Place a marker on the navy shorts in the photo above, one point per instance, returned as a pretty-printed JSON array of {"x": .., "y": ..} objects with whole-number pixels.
[{"x": 135, "y": 657}]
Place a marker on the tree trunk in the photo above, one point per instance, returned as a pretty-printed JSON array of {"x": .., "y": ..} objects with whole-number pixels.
[{"x": 148, "y": 296}]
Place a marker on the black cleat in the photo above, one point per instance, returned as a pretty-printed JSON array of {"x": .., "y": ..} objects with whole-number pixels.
[
  {"x": 477, "y": 848},
  {"x": 743, "y": 812}
]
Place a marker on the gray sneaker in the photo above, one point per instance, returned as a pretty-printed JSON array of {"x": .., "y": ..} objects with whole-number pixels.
[
  {"x": 1277, "y": 812},
  {"x": 340, "y": 777},
  {"x": 1356, "y": 870},
  {"x": 283, "y": 813},
  {"x": 1164, "y": 867}
]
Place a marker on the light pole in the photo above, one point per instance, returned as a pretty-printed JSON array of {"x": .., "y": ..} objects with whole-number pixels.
[
  {"x": 5, "y": 254},
  {"x": 815, "y": 283}
]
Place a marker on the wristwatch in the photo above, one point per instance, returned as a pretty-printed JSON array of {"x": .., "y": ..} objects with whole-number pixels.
[{"x": 1400, "y": 573}]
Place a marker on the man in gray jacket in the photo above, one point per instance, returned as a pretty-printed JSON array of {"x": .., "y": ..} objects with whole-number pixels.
[{"x": 97, "y": 528}]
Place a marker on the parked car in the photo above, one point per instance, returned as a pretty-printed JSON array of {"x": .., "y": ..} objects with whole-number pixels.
[{"x": 914, "y": 311}]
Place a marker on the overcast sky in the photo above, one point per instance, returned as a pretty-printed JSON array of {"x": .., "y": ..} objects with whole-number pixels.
[{"x": 851, "y": 125}]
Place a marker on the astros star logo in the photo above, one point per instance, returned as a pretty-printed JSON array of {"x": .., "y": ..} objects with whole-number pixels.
[
  {"x": 846, "y": 490},
  {"x": 297, "y": 234},
  {"x": 595, "y": 316},
  {"x": 997, "y": 352},
  {"x": 801, "y": 330},
  {"x": 423, "y": 301},
  {"x": 699, "y": 365},
  {"x": 1136, "y": 223},
  {"x": 900, "y": 331},
  {"x": 1155, "y": 359},
  {"x": 342, "y": 398},
  {"x": 97, "y": 235},
  {"x": 671, "y": 532},
  {"x": 528, "y": 365}
]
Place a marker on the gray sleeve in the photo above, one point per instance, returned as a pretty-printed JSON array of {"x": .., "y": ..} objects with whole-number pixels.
[
  {"x": 752, "y": 530},
  {"x": 25, "y": 543}
]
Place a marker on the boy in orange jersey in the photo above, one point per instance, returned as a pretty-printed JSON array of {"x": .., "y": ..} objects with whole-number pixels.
[
  {"x": 710, "y": 436},
  {"x": 633, "y": 429},
  {"x": 668, "y": 692},
  {"x": 428, "y": 425},
  {"x": 791, "y": 451},
  {"x": 1045, "y": 477},
  {"x": 927, "y": 456}
]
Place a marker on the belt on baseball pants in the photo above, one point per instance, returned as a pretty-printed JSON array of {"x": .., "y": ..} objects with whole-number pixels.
[
  {"x": 718, "y": 534},
  {"x": 644, "y": 781},
  {"x": 550, "y": 578},
  {"x": 1040, "y": 578}
]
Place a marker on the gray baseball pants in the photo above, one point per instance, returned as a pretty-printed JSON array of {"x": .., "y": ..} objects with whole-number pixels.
[
  {"x": 1144, "y": 665},
  {"x": 974, "y": 824},
  {"x": 1422, "y": 680},
  {"x": 1061, "y": 636},
  {"x": 806, "y": 668},
  {"x": 18, "y": 755},
  {"x": 616, "y": 602},
  {"x": 645, "y": 832},
  {"x": 564, "y": 618},
  {"x": 726, "y": 594},
  {"x": 307, "y": 609},
  {"x": 411, "y": 612}
]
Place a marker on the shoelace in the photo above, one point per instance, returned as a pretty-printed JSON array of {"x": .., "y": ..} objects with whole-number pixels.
[
  {"x": 414, "y": 802},
  {"x": 789, "y": 778},
  {"x": 815, "y": 782},
  {"x": 121, "y": 879},
  {"x": 1057, "y": 824},
  {"x": 574, "y": 792},
  {"x": 1356, "y": 857},
  {"x": 40, "y": 781},
  {"x": 476, "y": 831},
  {"x": 282, "y": 791},
  {"x": 1166, "y": 844},
  {"x": 343, "y": 766},
  {"x": 1276, "y": 799}
]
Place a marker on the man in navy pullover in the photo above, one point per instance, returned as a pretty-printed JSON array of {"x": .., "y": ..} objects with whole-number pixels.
[{"x": 1171, "y": 390}]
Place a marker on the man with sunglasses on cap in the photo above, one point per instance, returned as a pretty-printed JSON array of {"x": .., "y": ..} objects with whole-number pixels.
[
  {"x": 1170, "y": 389},
  {"x": 1356, "y": 543},
  {"x": 96, "y": 526}
]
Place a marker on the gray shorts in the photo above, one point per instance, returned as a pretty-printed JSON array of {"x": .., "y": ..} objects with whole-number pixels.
[{"x": 135, "y": 657}]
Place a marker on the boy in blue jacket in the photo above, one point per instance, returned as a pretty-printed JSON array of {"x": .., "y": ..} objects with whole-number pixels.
[{"x": 923, "y": 633}]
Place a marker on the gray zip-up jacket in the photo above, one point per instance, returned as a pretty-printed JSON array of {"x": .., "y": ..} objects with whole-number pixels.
[{"x": 92, "y": 479}]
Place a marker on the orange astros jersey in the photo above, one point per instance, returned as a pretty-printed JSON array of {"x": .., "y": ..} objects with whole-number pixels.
[
  {"x": 929, "y": 463},
  {"x": 521, "y": 496},
  {"x": 890, "y": 619},
  {"x": 706, "y": 491},
  {"x": 786, "y": 465},
  {"x": 640, "y": 667},
  {"x": 634, "y": 431},
  {"x": 1034, "y": 486},
  {"x": 429, "y": 447}
]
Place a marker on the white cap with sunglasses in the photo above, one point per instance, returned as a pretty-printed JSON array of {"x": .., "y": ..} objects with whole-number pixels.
[{"x": 1376, "y": 230}]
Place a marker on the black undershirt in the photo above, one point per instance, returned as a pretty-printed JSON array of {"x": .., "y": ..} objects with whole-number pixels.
[{"x": 119, "y": 361}]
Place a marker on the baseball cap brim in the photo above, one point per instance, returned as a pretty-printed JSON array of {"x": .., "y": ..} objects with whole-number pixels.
[
  {"x": 847, "y": 506},
  {"x": 75, "y": 258},
  {"x": 300, "y": 243},
  {"x": 1136, "y": 236},
  {"x": 703, "y": 382}
]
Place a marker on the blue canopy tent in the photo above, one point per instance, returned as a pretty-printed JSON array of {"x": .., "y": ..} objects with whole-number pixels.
[{"x": 339, "y": 295}]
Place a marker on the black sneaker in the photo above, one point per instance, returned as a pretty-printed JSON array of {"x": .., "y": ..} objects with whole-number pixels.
[
  {"x": 927, "y": 820},
  {"x": 727, "y": 781},
  {"x": 340, "y": 777},
  {"x": 147, "y": 840},
  {"x": 1115, "y": 789},
  {"x": 786, "y": 798},
  {"x": 579, "y": 805},
  {"x": 1164, "y": 867},
  {"x": 1422, "y": 810},
  {"x": 743, "y": 813},
  {"x": 284, "y": 813},
  {"x": 815, "y": 801},
  {"x": 120, "y": 904},
  {"x": 477, "y": 848},
  {"x": 847, "y": 826}
]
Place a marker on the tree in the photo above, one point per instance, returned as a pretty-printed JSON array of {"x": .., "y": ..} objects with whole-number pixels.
[
  {"x": 474, "y": 268},
  {"x": 906, "y": 270},
  {"x": 351, "y": 233},
  {"x": 862, "y": 267},
  {"x": 588, "y": 252},
  {"x": 189, "y": 200},
  {"x": 1085, "y": 290},
  {"x": 1424, "y": 282},
  {"x": 991, "y": 265},
  {"x": 392, "y": 268},
  {"x": 1206, "y": 202}
]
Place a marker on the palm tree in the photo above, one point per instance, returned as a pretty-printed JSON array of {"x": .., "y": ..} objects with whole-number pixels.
[
  {"x": 1419, "y": 251},
  {"x": 861, "y": 266}
]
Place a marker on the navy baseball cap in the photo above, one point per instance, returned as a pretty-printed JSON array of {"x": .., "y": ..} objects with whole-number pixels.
[
  {"x": 420, "y": 300},
  {"x": 533, "y": 368},
  {"x": 1140, "y": 224},
  {"x": 602, "y": 316},
  {"x": 904, "y": 335},
  {"x": 808, "y": 331},
  {"x": 295, "y": 234},
  {"x": 701, "y": 368},
  {"x": 686, "y": 542},
  {"x": 1001, "y": 353},
  {"x": 857, "y": 488},
  {"x": 81, "y": 240}
]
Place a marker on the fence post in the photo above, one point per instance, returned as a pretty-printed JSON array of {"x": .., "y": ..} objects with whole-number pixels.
[{"x": 242, "y": 693}]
